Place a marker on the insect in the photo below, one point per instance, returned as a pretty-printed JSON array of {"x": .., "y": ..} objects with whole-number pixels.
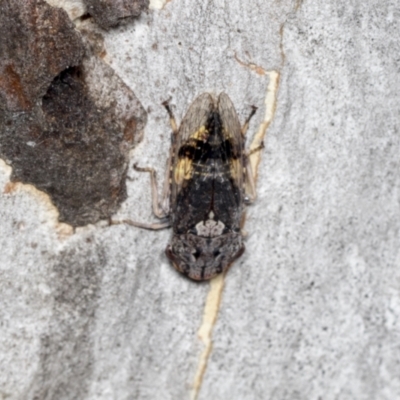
[{"x": 209, "y": 181}]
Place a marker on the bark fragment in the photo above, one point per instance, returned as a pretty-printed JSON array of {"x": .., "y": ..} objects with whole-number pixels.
[
  {"x": 67, "y": 122},
  {"x": 110, "y": 13}
]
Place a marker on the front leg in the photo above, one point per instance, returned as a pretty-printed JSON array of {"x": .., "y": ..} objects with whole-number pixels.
[
  {"x": 245, "y": 127},
  {"x": 159, "y": 211}
]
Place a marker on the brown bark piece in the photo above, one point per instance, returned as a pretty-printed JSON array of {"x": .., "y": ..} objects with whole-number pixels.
[
  {"x": 37, "y": 43},
  {"x": 73, "y": 137},
  {"x": 110, "y": 13}
]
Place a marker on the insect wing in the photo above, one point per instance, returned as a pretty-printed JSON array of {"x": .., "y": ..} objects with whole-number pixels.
[
  {"x": 194, "y": 120},
  {"x": 232, "y": 131}
]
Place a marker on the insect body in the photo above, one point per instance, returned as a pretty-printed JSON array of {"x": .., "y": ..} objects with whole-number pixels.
[{"x": 205, "y": 196}]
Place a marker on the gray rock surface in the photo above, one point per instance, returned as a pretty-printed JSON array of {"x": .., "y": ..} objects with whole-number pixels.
[{"x": 311, "y": 311}]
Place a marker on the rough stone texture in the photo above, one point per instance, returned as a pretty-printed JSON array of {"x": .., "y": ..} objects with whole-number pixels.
[
  {"x": 311, "y": 311},
  {"x": 67, "y": 121},
  {"x": 110, "y": 13}
]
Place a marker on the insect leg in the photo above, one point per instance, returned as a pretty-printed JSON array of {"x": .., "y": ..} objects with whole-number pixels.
[
  {"x": 247, "y": 122},
  {"x": 172, "y": 120},
  {"x": 153, "y": 227},
  {"x": 255, "y": 150},
  {"x": 158, "y": 211},
  {"x": 168, "y": 174},
  {"x": 243, "y": 232},
  {"x": 250, "y": 187}
]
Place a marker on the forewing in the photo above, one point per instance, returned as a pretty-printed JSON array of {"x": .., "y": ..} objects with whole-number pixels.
[
  {"x": 233, "y": 132},
  {"x": 195, "y": 117},
  {"x": 194, "y": 120}
]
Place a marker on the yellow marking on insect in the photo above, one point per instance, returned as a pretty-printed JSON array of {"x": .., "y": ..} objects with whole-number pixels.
[
  {"x": 183, "y": 170},
  {"x": 235, "y": 169},
  {"x": 201, "y": 134}
]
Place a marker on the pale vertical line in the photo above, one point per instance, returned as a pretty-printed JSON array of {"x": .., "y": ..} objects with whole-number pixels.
[
  {"x": 204, "y": 333},
  {"x": 270, "y": 107}
]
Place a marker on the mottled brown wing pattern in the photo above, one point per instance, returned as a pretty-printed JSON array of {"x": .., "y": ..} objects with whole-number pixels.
[
  {"x": 194, "y": 120},
  {"x": 232, "y": 131},
  {"x": 195, "y": 117},
  {"x": 207, "y": 189}
]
